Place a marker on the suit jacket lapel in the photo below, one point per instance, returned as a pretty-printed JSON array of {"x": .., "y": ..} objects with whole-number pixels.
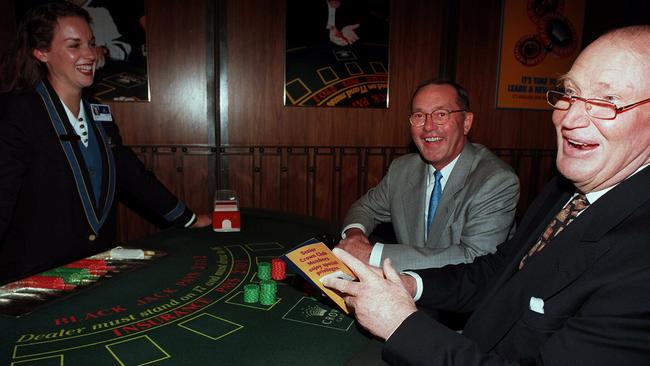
[
  {"x": 580, "y": 245},
  {"x": 413, "y": 204},
  {"x": 107, "y": 193},
  {"x": 455, "y": 182},
  {"x": 498, "y": 313}
]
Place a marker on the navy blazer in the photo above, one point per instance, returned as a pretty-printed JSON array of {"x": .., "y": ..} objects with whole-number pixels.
[
  {"x": 48, "y": 211},
  {"x": 590, "y": 291}
]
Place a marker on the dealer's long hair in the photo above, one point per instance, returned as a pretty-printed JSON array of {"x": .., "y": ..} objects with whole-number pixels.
[{"x": 19, "y": 69}]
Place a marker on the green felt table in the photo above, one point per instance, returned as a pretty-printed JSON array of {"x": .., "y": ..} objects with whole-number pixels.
[{"x": 186, "y": 308}]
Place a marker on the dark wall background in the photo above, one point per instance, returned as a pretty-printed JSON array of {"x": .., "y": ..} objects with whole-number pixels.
[{"x": 216, "y": 116}]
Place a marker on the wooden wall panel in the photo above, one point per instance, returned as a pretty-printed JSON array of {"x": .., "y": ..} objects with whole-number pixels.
[
  {"x": 324, "y": 172},
  {"x": 164, "y": 165},
  {"x": 242, "y": 176},
  {"x": 193, "y": 175},
  {"x": 271, "y": 189},
  {"x": 176, "y": 50},
  {"x": 177, "y": 112},
  {"x": 296, "y": 181},
  {"x": 350, "y": 181}
]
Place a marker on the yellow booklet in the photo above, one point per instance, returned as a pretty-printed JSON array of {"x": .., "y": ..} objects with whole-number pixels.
[{"x": 314, "y": 261}]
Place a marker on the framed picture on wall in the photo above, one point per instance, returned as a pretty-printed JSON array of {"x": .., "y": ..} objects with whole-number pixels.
[
  {"x": 539, "y": 42},
  {"x": 337, "y": 53},
  {"x": 119, "y": 29}
]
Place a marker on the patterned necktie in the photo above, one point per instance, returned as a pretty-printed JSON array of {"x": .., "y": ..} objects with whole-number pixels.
[
  {"x": 559, "y": 222},
  {"x": 434, "y": 199}
]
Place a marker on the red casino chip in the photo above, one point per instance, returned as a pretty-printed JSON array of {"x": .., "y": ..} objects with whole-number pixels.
[
  {"x": 529, "y": 50},
  {"x": 278, "y": 270},
  {"x": 97, "y": 267},
  {"x": 43, "y": 282}
]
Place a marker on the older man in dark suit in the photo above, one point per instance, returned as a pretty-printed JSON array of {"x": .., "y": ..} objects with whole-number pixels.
[{"x": 573, "y": 286}]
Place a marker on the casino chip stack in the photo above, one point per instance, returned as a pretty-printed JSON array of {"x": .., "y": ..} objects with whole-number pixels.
[
  {"x": 43, "y": 282},
  {"x": 279, "y": 269},
  {"x": 71, "y": 276},
  {"x": 264, "y": 271},
  {"x": 268, "y": 291},
  {"x": 251, "y": 293}
]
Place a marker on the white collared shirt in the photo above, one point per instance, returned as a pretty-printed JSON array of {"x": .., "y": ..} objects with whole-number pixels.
[{"x": 79, "y": 121}]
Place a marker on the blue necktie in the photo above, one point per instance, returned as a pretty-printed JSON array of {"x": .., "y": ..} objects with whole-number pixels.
[{"x": 434, "y": 199}]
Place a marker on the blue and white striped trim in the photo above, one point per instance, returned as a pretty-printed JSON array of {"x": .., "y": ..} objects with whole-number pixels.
[
  {"x": 176, "y": 212},
  {"x": 110, "y": 193}
]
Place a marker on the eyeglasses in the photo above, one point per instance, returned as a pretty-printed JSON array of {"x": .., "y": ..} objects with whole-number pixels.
[
  {"x": 439, "y": 117},
  {"x": 596, "y": 108}
]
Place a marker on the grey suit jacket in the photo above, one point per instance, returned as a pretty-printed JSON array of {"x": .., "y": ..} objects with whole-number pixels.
[{"x": 475, "y": 214}]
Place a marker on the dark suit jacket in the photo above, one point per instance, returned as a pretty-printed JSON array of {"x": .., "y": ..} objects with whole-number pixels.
[
  {"x": 43, "y": 222},
  {"x": 593, "y": 279}
]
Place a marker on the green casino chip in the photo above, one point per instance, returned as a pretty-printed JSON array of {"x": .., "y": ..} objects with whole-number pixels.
[
  {"x": 264, "y": 271},
  {"x": 268, "y": 286},
  {"x": 267, "y": 299},
  {"x": 74, "y": 276},
  {"x": 251, "y": 293},
  {"x": 268, "y": 290}
]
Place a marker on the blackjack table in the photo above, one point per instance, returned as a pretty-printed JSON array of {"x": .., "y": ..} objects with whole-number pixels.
[{"x": 182, "y": 303}]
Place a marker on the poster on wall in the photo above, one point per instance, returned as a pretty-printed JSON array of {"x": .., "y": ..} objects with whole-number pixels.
[
  {"x": 540, "y": 39},
  {"x": 337, "y": 53},
  {"x": 119, "y": 30}
]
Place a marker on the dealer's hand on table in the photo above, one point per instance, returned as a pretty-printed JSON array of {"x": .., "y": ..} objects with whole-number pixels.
[
  {"x": 357, "y": 244},
  {"x": 202, "y": 220},
  {"x": 381, "y": 299}
]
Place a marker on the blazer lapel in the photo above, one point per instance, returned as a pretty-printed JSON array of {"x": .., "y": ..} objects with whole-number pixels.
[
  {"x": 579, "y": 245},
  {"x": 413, "y": 204},
  {"x": 455, "y": 182},
  {"x": 506, "y": 300},
  {"x": 107, "y": 194}
]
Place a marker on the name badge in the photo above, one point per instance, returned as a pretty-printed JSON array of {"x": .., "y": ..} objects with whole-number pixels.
[{"x": 101, "y": 112}]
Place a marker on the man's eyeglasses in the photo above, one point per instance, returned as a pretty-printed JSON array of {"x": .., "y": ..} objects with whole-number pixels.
[
  {"x": 596, "y": 108},
  {"x": 439, "y": 117}
]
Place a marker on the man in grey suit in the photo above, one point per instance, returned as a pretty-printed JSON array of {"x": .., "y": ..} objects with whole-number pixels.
[{"x": 450, "y": 203}]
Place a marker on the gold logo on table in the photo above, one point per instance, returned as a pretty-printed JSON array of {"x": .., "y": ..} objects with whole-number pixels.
[
  {"x": 314, "y": 311},
  {"x": 309, "y": 310}
]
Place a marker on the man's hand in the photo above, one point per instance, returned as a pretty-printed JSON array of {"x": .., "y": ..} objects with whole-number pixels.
[
  {"x": 381, "y": 303},
  {"x": 202, "y": 220},
  {"x": 357, "y": 244},
  {"x": 350, "y": 34},
  {"x": 337, "y": 37}
]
